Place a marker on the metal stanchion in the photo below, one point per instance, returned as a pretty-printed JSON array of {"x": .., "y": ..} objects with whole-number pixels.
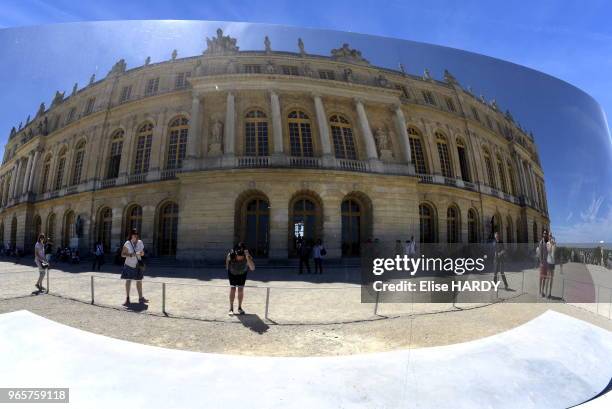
[
  {"x": 92, "y": 290},
  {"x": 267, "y": 302},
  {"x": 523, "y": 283},
  {"x": 376, "y": 304},
  {"x": 164, "y": 298},
  {"x": 610, "y": 308},
  {"x": 48, "y": 271},
  {"x": 597, "y": 299},
  {"x": 563, "y": 289}
]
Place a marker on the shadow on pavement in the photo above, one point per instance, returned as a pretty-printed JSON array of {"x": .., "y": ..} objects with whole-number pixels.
[{"x": 253, "y": 322}]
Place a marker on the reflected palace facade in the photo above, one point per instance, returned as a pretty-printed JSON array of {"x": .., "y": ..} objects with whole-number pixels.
[{"x": 266, "y": 146}]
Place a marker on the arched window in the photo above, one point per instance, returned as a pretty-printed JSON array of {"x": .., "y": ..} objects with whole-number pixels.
[
  {"x": 256, "y": 234},
  {"x": 305, "y": 221},
  {"x": 472, "y": 226},
  {"x": 168, "y": 229},
  {"x": 513, "y": 189},
  {"x": 46, "y": 171},
  {"x": 178, "y": 132},
  {"x": 2, "y": 234},
  {"x": 77, "y": 170},
  {"x": 463, "y": 161},
  {"x": 256, "y": 134},
  {"x": 61, "y": 167},
  {"x": 300, "y": 135},
  {"x": 114, "y": 159},
  {"x": 535, "y": 232},
  {"x": 427, "y": 223},
  {"x": 50, "y": 227},
  {"x": 502, "y": 174},
  {"x": 445, "y": 161},
  {"x": 105, "y": 227},
  {"x": 452, "y": 225},
  {"x": 496, "y": 226},
  {"x": 133, "y": 220},
  {"x": 489, "y": 166},
  {"x": 351, "y": 227},
  {"x": 509, "y": 230},
  {"x": 144, "y": 141},
  {"x": 416, "y": 150},
  {"x": 14, "y": 233},
  {"x": 342, "y": 135},
  {"x": 37, "y": 226},
  {"x": 69, "y": 228}
]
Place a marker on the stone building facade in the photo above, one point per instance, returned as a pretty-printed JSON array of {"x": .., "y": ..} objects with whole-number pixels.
[{"x": 263, "y": 147}]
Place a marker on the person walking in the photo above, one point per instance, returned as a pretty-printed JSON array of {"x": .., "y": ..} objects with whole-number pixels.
[
  {"x": 41, "y": 261},
  {"x": 542, "y": 255},
  {"x": 551, "y": 248},
  {"x": 98, "y": 256},
  {"x": 237, "y": 263},
  {"x": 133, "y": 267},
  {"x": 304, "y": 251},
  {"x": 499, "y": 254},
  {"x": 410, "y": 247},
  {"x": 318, "y": 252}
]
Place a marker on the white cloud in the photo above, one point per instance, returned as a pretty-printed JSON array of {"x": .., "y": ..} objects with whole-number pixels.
[{"x": 595, "y": 225}]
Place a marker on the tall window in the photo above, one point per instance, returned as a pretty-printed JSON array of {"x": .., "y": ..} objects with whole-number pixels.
[
  {"x": 133, "y": 219},
  {"x": 452, "y": 225},
  {"x": 289, "y": 70},
  {"x": 475, "y": 114},
  {"x": 489, "y": 166},
  {"x": 69, "y": 228},
  {"x": 416, "y": 150},
  {"x": 168, "y": 229},
  {"x": 300, "y": 135},
  {"x": 45, "y": 174},
  {"x": 535, "y": 232},
  {"x": 144, "y": 140},
  {"x": 115, "y": 154},
  {"x": 351, "y": 227},
  {"x": 502, "y": 174},
  {"x": 252, "y": 69},
  {"x": 78, "y": 163},
  {"x": 342, "y": 135},
  {"x": 304, "y": 220},
  {"x": 89, "y": 107},
  {"x": 14, "y": 233},
  {"x": 126, "y": 92},
  {"x": 513, "y": 189},
  {"x": 450, "y": 105},
  {"x": 426, "y": 223},
  {"x": 61, "y": 167},
  {"x": 256, "y": 134},
  {"x": 181, "y": 80},
  {"x": 472, "y": 226},
  {"x": 327, "y": 75},
  {"x": 445, "y": 161},
  {"x": 105, "y": 227},
  {"x": 152, "y": 86},
  {"x": 429, "y": 98},
  {"x": 37, "y": 226},
  {"x": 463, "y": 161},
  {"x": 71, "y": 115},
  {"x": 257, "y": 226},
  {"x": 50, "y": 233},
  {"x": 177, "y": 142}
]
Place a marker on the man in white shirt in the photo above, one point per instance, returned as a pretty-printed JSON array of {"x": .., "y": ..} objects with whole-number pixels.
[{"x": 133, "y": 251}]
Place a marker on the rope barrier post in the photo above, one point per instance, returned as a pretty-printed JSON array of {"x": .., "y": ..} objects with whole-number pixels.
[
  {"x": 92, "y": 290},
  {"x": 48, "y": 271},
  {"x": 563, "y": 289},
  {"x": 610, "y": 307},
  {"x": 376, "y": 304},
  {"x": 267, "y": 302},
  {"x": 164, "y": 298},
  {"x": 597, "y": 299},
  {"x": 523, "y": 283}
]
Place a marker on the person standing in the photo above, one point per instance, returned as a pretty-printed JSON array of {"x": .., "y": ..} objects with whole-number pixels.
[
  {"x": 410, "y": 247},
  {"x": 318, "y": 252},
  {"x": 237, "y": 263},
  {"x": 499, "y": 254},
  {"x": 304, "y": 251},
  {"x": 133, "y": 251},
  {"x": 41, "y": 261},
  {"x": 98, "y": 256},
  {"x": 542, "y": 254},
  {"x": 551, "y": 248}
]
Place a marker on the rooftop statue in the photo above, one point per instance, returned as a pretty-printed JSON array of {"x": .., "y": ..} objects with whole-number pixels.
[
  {"x": 118, "y": 68},
  {"x": 75, "y": 88},
  {"x": 267, "y": 44},
  {"x": 301, "y": 46},
  {"x": 41, "y": 109},
  {"x": 347, "y": 54},
  {"x": 450, "y": 78},
  {"x": 147, "y": 61},
  {"x": 221, "y": 44},
  {"x": 174, "y": 54},
  {"x": 58, "y": 98}
]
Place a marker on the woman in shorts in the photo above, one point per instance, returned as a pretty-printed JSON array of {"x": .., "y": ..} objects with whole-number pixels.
[
  {"x": 133, "y": 250},
  {"x": 237, "y": 263}
]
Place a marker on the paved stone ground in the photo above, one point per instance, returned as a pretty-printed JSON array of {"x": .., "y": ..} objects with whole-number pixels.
[{"x": 343, "y": 324}]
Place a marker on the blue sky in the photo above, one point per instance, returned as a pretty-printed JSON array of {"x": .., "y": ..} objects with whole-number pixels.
[{"x": 571, "y": 40}]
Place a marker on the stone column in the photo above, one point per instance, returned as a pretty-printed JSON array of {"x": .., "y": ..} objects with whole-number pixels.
[
  {"x": 16, "y": 179},
  {"x": 126, "y": 162},
  {"x": 323, "y": 126},
  {"x": 375, "y": 163},
  {"x": 33, "y": 171},
  {"x": 229, "y": 131},
  {"x": 536, "y": 198},
  {"x": 28, "y": 172},
  {"x": 158, "y": 146},
  {"x": 194, "y": 141},
  {"x": 519, "y": 171},
  {"x": 404, "y": 139},
  {"x": 277, "y": 125}
]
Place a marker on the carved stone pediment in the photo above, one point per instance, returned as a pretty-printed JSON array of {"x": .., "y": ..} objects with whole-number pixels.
[
  {"x": 347, "y": 54},
  {"x": 221, "y": 44}
]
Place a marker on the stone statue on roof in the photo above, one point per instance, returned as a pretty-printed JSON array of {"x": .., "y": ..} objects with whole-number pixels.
[
  {"x": 347, "y": 54},
  {"x": 221, "y": 44},
  {"x": 58, "y": 98},
  {"x": 174, "y": 54},
  {"x": 118, "y": 68},
  {"x": 450, "y": 78},
  {"x": 267, "y": 44},
  {"x": 301, "y": 46}
]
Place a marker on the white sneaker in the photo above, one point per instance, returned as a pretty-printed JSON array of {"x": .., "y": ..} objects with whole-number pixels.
[{"x": 231, "y": 313}]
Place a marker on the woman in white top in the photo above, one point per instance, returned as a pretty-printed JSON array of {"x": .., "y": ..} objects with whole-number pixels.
[
  {"x": 133, "y": 251},
  {"x": 551, "y": 247}
]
